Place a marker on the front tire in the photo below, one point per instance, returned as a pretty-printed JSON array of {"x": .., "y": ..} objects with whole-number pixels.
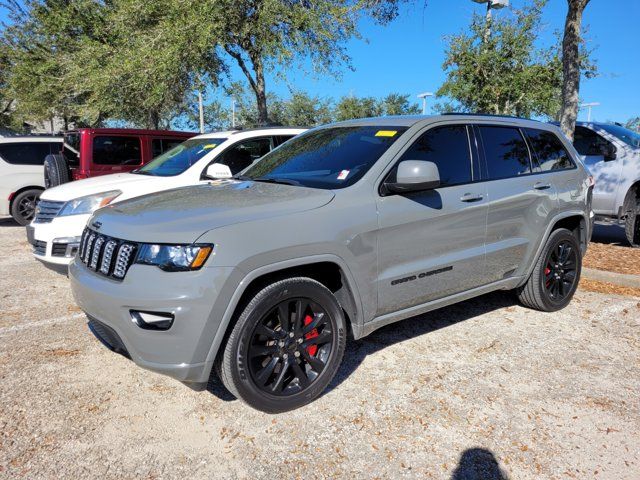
[
  {"x": 23, "y": 206},
  {"x": 555, "y": 277},
  {"x": 286, "y": 346}
]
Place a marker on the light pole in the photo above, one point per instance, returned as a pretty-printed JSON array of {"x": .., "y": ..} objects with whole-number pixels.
[
  {"x": 491, "y": 5},
  {"x": 588, "y": 106},
  {"x": 233, "y": 112},
  {"x": 424, "y": 96}
]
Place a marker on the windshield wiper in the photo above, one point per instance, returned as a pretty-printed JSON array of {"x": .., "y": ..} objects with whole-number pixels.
[
  {"x": 243, "y": 178},
  {"x": 142, "y": 172},
  {"x": 283, "y": 181}
]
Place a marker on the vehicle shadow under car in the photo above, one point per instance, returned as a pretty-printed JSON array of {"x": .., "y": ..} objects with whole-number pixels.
[{"x": 357, "y": 350}]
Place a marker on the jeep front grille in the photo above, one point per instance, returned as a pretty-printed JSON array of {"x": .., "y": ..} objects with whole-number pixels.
[
  {"x": 106, "y": 255},
  {"x": 47, "y": 210}
]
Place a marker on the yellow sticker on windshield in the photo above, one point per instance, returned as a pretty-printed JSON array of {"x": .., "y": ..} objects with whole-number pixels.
[
  {"x": 386, "y": 133},
  {"x": 209, "y": 146}
]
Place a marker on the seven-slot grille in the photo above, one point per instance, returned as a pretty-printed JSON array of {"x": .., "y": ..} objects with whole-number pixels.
[
  {"x": 108, "y": 256},
  {"x": 47, "y": 210}
]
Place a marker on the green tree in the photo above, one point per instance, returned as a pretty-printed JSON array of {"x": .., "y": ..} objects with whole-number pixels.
[
  {"x": 351, "y": 107},
  {"x": 302, "y": 110},
  {"x": 633, "y": 124},
  {"x": 398, "y": 104},
  {"x": 260, "y": 35},
  {"x": 88, "y": 61},
  {"x": 505, "y": 73}
]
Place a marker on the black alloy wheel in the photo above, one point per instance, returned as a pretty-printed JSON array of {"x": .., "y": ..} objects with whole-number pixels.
[
  {"x": 290, "y": 346},
  {"x": 560, "y": 272},
  {"x": 23, "y": 207},
  {"x": 556, "y": 273},
  {"x": 285, "y": 347}
]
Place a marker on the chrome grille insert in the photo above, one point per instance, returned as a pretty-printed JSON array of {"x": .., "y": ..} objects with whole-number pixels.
[
  {"x": 108, "y": 256},
  {"x": 47, "y": 210}
]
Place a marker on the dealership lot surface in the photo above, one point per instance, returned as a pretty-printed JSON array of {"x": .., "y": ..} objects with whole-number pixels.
[{"x": 485, "y": 387}]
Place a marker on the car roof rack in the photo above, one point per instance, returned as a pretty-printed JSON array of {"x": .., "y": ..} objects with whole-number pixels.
[{"x": 488, "y": 115}]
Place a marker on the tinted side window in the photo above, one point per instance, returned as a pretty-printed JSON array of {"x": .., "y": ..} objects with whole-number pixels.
[
  {"x": 588, "y": 142},
  {"x": 548, "y": 150},
  {"x": 25, "y": 153},
  {"x": 506, "y": 152},
  {"x": 448, "y": 148},
  {"x": 243, "y": 154},
  {"x": 116, "y": 150}
]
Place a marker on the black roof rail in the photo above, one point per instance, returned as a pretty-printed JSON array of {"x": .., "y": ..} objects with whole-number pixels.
[{"x": 488, "y": 115}]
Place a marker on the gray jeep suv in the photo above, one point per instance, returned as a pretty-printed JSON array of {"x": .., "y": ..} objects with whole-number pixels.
[{"x": 337, "y": 232}]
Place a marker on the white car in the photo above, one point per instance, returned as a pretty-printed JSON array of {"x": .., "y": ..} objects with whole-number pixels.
[
  {"x": 22, "y": 174},
  {"x": 63, "y": 211}
]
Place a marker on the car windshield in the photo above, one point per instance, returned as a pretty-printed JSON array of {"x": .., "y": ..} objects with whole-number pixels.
[
  {"x": 180, "y": 158},
  {"x": 327, "y": 158},
  {"x": 627, "y": 136}
]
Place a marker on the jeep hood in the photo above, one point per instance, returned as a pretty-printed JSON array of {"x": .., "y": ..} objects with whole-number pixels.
[
  {"x": 183, "y": 214},
  {"x": 90, "y": 186}
]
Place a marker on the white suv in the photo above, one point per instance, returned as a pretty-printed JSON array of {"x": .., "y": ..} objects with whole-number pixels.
[
  {"x": 63, "y": 211},
  {"x": 22, "y": 174}
]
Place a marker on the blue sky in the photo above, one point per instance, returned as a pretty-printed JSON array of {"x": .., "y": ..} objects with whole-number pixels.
[{"x": 406, "y": 56}]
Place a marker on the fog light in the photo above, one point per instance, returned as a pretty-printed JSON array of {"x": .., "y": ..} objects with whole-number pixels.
[{"x": 152, "y": 320}]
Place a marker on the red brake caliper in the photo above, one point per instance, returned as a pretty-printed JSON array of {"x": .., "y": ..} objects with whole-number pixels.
[
  {"x": 547, "y": 271},
  {"x": 311, "y": 349}
]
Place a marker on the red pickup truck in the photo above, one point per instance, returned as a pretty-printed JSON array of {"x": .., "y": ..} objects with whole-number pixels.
[{"x": 89, "y": 152}]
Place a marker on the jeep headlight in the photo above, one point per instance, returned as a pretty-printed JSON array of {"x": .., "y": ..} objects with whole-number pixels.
[
  {"x": 174, "y": 258},
  {"x": 88, "y": 204}
]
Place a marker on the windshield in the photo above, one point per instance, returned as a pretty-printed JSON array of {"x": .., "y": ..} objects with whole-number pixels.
[
  {"x": 627, "y": 136},
  {"x": 180, "y": 158},
  {"x": 328, "y": 158}
]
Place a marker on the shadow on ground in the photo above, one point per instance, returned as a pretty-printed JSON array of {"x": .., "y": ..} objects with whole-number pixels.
[
  {"x": 609, "y": 234},
  {"x": 478, "y": 464},
  {"x": 8, "y": 222},
  {"x": 413, "y": 327}
]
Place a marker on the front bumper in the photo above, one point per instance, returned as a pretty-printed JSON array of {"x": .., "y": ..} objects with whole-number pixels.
[
  {"x": 56, "y": 242},
  {"x": 180, "y": 352}
]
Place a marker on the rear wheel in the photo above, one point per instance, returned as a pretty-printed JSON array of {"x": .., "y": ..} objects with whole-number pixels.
[
  {"x": 56, "y": 171},
  {"x": 555, "y": 277},
  {"x": 632, "y": 221},
  {"x": 286, "y": 346},
  {"x": 23, "y": 206}
]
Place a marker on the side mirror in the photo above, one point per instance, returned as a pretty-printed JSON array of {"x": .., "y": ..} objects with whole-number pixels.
[
  {"x": 414, "y": 176},
  {"x": 218, "y": 170}
]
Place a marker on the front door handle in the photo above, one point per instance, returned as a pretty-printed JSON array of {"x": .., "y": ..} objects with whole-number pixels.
[
  {"x": 471, "y": 197},
  {"x": 542, "y": 186}
]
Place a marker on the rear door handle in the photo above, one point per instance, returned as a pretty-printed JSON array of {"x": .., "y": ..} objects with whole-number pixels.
[
  {"x": 542, "y": 186},
  {"x": 471, "y": 197}
]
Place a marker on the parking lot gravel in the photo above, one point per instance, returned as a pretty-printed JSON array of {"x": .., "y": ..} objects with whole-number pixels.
[{"x": 484, "y": 389}]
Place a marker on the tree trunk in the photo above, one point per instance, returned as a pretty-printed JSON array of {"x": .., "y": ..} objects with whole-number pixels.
[
  {"x": 257, "y": 84},
  {"x": 571, "y": 67}
]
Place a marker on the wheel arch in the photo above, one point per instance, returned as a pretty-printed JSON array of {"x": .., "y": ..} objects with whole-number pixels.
[
  {"x": 634, "y": 190},
  {"x": 330, "y": 270},
  {"x": 576, "y": 221},
  {"x": 23, "y": 189}
]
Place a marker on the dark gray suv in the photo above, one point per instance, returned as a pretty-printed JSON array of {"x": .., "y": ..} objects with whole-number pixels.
[{"x": 339, "y": 231}]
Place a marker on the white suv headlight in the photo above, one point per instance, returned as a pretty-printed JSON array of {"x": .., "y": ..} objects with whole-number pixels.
[{"x": 88, "y": 204}]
